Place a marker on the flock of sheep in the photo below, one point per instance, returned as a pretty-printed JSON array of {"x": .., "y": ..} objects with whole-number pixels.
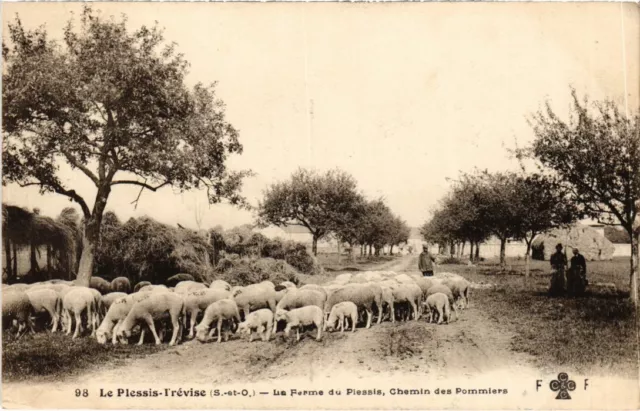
[{"x": 114, "y": 311}]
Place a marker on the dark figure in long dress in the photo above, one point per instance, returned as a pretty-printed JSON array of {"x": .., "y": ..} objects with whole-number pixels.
[
  {"x": 577, "y": 274},
  {"x": 558, "y": 265}
]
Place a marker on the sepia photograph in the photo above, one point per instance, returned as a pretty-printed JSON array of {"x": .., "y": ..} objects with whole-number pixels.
[{"x": 320, "y": 205}]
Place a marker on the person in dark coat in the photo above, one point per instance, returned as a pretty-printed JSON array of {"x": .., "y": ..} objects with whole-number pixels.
[
  {"x": 558, "y": 265},
  {"x": 577, "y": 274},
  {"x": 425, "y": 262}
]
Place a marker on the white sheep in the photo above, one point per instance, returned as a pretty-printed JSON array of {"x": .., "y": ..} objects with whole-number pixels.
[
  {"x": 460, "y": 289},
  {"x": 16, "y": 307},
  {"x": 77, "y": 301},
  {"x": 340, "y": 312},
  {"x": 441, "y": 288},
  {"x": 184, "y": 287},
  {"x": 154, "y": 307},
  {"x": 44, "y": 299},
  {"x": 260, "y": 321},
  {"x": 300, "y": 298},
  {"x": 301, "y": 317},
  {"x": 223, "y": 311},
  {"x": 198, "y": 301},
  {"x": 110, "y": 298},
  {"x": 411, "y": 295},
  {"x": 438, "y": 304},
  {"x": 288, "y": 284},
  {"x": 254, "y": 297},
  {"x": 315, "y": 287},
  {"x": 365, "y": 296},
  {"x": 118, "y": 311},
  {"x": 220, "y": 284},
  {"x": 387, "y": 298}
]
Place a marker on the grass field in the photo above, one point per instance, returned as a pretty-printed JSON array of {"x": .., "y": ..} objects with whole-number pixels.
[
  {"x": 47, "y": 356},
  {"x": 593, "y": 333}
]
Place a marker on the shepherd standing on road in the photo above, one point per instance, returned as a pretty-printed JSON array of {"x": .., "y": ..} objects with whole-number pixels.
[{"x": 425, "y": 262}]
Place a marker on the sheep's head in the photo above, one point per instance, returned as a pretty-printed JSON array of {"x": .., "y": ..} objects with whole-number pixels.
[
  {"x": 281, "y": 315},
  {"x": 102, "y": 336},
  {"x": 243, "y": 327}
]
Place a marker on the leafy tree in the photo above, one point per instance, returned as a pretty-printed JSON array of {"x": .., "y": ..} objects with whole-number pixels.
[
  {"x": 597, "y": 153},
  {"x": 400, "y": 233},
  {"x": 323, "y": 203},
  {"x": 540, "y": 203},
  {"x": 114, "y": 105}
]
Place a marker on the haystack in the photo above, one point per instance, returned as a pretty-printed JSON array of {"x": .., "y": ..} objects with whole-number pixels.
[{"x": 592, "y": 245}]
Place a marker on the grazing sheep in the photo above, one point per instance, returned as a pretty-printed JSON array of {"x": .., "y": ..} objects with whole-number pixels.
[
  {"x": 220, "y": 284},
  {"x": 17, "y": 306},
  {"x": 48, "y": 300},
  {"x": 280, "y": 294},
  {"x": 198, "y": 301},
  {"x": 153, "y": 288},
  {"x": 152, "y": 308},
  {"x": 260, "y": 321},
  {"x": 118, "y": 311},
  {"x": 343, "y": 278},
  {"x": 300, "y": 298},
  {"x": 100, "y": 284},
  {"x": 110, "y": 298},
  {"x": 140, "y": 285},
  {"x": 176, "y": 279},
  {"x": 315, "y": 287},
  {"x": 411, "y": 295},
  {"x": 460, "y": 289},
  {"x": 300, "y": 317},
  {"x": 387, "y": 298},
  {"x": 438, "y": 304},
  {"x": 365, "y": 296},
  {"x": 77, "y": 301},
  {"x": 254, "y": 297},
  {"x": 288, "y": 284},
  {"x": 16, "y": 287},
  {"x": 267, "y": 283},
  {"x": 223, "y": 311},
  {"x": 405, "y": 279},
  {"x": 184, "y": 287},
  {"x": 121, "y": 284},
  {"x": 441, "y": 288},
  {"x": 340, "y": 312}
]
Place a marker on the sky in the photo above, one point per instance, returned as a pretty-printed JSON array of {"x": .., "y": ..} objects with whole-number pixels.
[{"x": 402, "y": 96}]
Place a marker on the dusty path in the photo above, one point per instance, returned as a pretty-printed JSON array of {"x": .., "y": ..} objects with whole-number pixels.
[{"x": 472, "y": 346}]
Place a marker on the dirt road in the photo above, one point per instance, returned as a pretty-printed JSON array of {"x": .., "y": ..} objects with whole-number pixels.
[{"x": 471, "y": 346}]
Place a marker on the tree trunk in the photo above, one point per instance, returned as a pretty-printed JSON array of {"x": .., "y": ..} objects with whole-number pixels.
[
  {"x": 471, "y": 251},
  {"x": 635, "y": 244},
  {"x": 527, "y": 258},
  {"x": 339, "y": 255},
  {"x": 477, "y": 251},
  {"x": 15, "y": 262},
  {"x": 49, "y": 261},
  {"x": 462, "y": 249},
  {"x": 370, "y": 248},
  {"x": 33, "y": 260},
  {"x": 503, "y": 249},
  {"x": 391, "y": 249},
  {"x": 314, "y": 245},
  {"x": 91, "y": 236},
  {"x": 8, "y": 266}
]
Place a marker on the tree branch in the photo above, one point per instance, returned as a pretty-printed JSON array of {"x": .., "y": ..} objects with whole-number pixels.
[
  {"x": 81, "y": 167},
  {"x": 141, "y": 184}
]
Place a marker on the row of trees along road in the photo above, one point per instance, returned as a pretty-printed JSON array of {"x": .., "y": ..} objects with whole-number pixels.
[
  {"x": 587, "y": 166},
  {"x": 506, "y": 205},
  {"x": 113, "y": 104},
  {"x": 329, "y": 204}
]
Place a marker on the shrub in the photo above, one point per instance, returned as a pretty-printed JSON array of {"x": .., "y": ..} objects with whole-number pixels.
[{"x": 247, "y": 271}]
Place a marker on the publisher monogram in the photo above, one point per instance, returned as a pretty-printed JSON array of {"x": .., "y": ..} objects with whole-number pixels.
[{"x": 563, "y": 385}]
